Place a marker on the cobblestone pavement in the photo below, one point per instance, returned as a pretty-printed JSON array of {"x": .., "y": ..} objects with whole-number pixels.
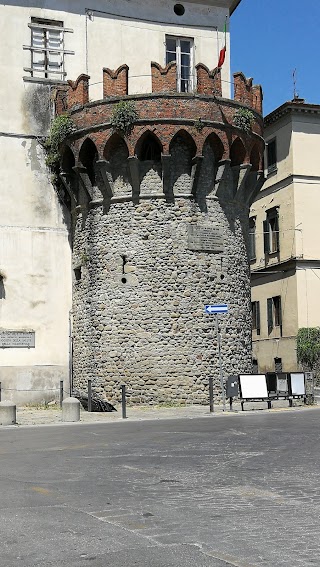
[{"x": 238, "y": 490}]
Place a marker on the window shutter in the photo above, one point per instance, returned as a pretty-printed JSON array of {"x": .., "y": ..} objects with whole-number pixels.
[
  {"x": 280, "y": 313},
  {"x": 276, "y": 225},
  {"x": 266, "y": 239},
  {"x": 270, "y": 314},
  {"x": 258, "y": 317}
]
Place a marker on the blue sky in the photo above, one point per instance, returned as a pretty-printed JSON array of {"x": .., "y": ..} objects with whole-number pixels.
[{"x": 269, "y": 39}]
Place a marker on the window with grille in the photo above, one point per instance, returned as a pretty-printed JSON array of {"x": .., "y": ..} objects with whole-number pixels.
[
  {"x": 180, "y": 50},
  {"x": 47, "y": 53}
]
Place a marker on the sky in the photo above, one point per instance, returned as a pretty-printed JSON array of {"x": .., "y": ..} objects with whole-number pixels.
[{"x": 271, "y": 38}]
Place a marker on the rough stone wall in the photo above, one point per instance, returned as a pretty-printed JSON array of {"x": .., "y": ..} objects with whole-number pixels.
[{"x": 139, "y": 305}]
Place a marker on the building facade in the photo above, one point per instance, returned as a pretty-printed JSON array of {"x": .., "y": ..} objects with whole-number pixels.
[
  {"x": 284, "y": 239},
  {"x": 146, "y": 227}
]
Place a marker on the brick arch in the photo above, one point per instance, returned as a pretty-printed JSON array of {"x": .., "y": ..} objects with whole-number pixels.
[
  {"x": 88, "y": 155},
  {"x": 216, "y": 145},
  {"x": 187, "y": 139},
  {"x": 238, "y": 152},
  {"x": 155, "y": 146},
  {"x": 68, "y": 160},
  {"x": 255, "y": 158},
  {"x": 114, "y": 142}
]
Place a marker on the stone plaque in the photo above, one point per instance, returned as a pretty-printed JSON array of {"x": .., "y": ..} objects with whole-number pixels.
[
  {"x": 17, "y": 339},
  {"x": 207, "y": 238}
]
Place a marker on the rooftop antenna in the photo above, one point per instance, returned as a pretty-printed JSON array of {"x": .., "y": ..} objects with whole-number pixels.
[{"x": 294, "y": 78}]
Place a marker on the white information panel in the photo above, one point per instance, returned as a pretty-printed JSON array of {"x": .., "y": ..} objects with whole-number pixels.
[
  {"x": 253, "y": 386},
  {"x": 297, "y": 384}
]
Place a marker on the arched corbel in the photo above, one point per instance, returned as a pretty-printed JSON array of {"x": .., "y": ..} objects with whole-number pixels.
[
  {"x": 134, "y": 168},
  {"x": 196, "y": 165},
  {"x": 86, "y": 190},
  {"x": 166, "y": 177},
  {"x": 104, "y": 178}
]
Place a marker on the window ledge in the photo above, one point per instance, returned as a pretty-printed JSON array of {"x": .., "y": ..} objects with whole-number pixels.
[{"x": 44, "y": 81}]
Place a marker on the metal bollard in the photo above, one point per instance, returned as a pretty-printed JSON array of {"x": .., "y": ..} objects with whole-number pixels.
[
  {"x": 124, "y": 401},
  {"x": 211, "y": 394},
  {"x": 61, "y": 393},
  {"x": 89, "y": 396}
]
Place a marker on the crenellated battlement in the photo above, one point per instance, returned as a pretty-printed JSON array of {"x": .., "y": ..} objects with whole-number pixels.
[{"x": 164, "y": 80}]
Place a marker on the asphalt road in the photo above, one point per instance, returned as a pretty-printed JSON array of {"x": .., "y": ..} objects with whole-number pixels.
[{"x": 211, "y": 492}]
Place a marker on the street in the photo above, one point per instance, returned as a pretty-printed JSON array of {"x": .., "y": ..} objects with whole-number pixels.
[{"x": 236, "y": 490}]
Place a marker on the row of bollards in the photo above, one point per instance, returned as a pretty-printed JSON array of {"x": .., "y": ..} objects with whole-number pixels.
[{"x": 71, "y": 406}]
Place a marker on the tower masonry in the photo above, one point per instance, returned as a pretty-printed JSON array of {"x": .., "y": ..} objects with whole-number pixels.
[
  {"x": 159, "y": 230},
  {"x": 159, "y": 175}
]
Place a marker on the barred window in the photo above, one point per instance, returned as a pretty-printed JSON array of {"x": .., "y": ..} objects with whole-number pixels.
[{"x": 47, "y": 53}]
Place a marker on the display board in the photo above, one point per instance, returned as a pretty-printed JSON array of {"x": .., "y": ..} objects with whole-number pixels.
[
  {"x": 253, "y": 386},
  {"x": 297, "y": 384}
]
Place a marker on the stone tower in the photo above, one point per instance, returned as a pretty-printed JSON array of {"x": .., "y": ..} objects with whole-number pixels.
[{"x": 160, "y": 224}]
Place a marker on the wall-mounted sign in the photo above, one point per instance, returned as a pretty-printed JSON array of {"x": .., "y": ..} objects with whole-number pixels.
[
  {"x": 17, "y": 339},
  {"x": 206, "y": 238}
]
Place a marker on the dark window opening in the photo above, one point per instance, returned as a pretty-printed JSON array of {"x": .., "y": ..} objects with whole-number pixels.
[
  {"x": 255, "y": 310},
  {"x": 255, "y": 366},
  {"x": 179, "y": 9},
  {"x": 272, "y": 155},
  {"x": 150, "y": 150},
  {"x": 77, "y": 273},
  {"x": 274, "y": 313},
  {"x": 88, "y": 156}
]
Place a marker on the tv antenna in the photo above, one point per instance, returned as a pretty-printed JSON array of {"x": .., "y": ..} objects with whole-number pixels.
[{"x": 294, "y": 79}]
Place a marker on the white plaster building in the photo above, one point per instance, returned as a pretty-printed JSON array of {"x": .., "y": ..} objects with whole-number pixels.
[{"x": 42, "y": 44}]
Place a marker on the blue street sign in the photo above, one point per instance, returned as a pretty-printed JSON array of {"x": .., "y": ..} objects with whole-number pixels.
[{"x": 221, "y": 308}]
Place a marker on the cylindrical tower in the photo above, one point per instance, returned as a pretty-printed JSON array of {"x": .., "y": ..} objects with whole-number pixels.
[{"x": 160, "y": 223}]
